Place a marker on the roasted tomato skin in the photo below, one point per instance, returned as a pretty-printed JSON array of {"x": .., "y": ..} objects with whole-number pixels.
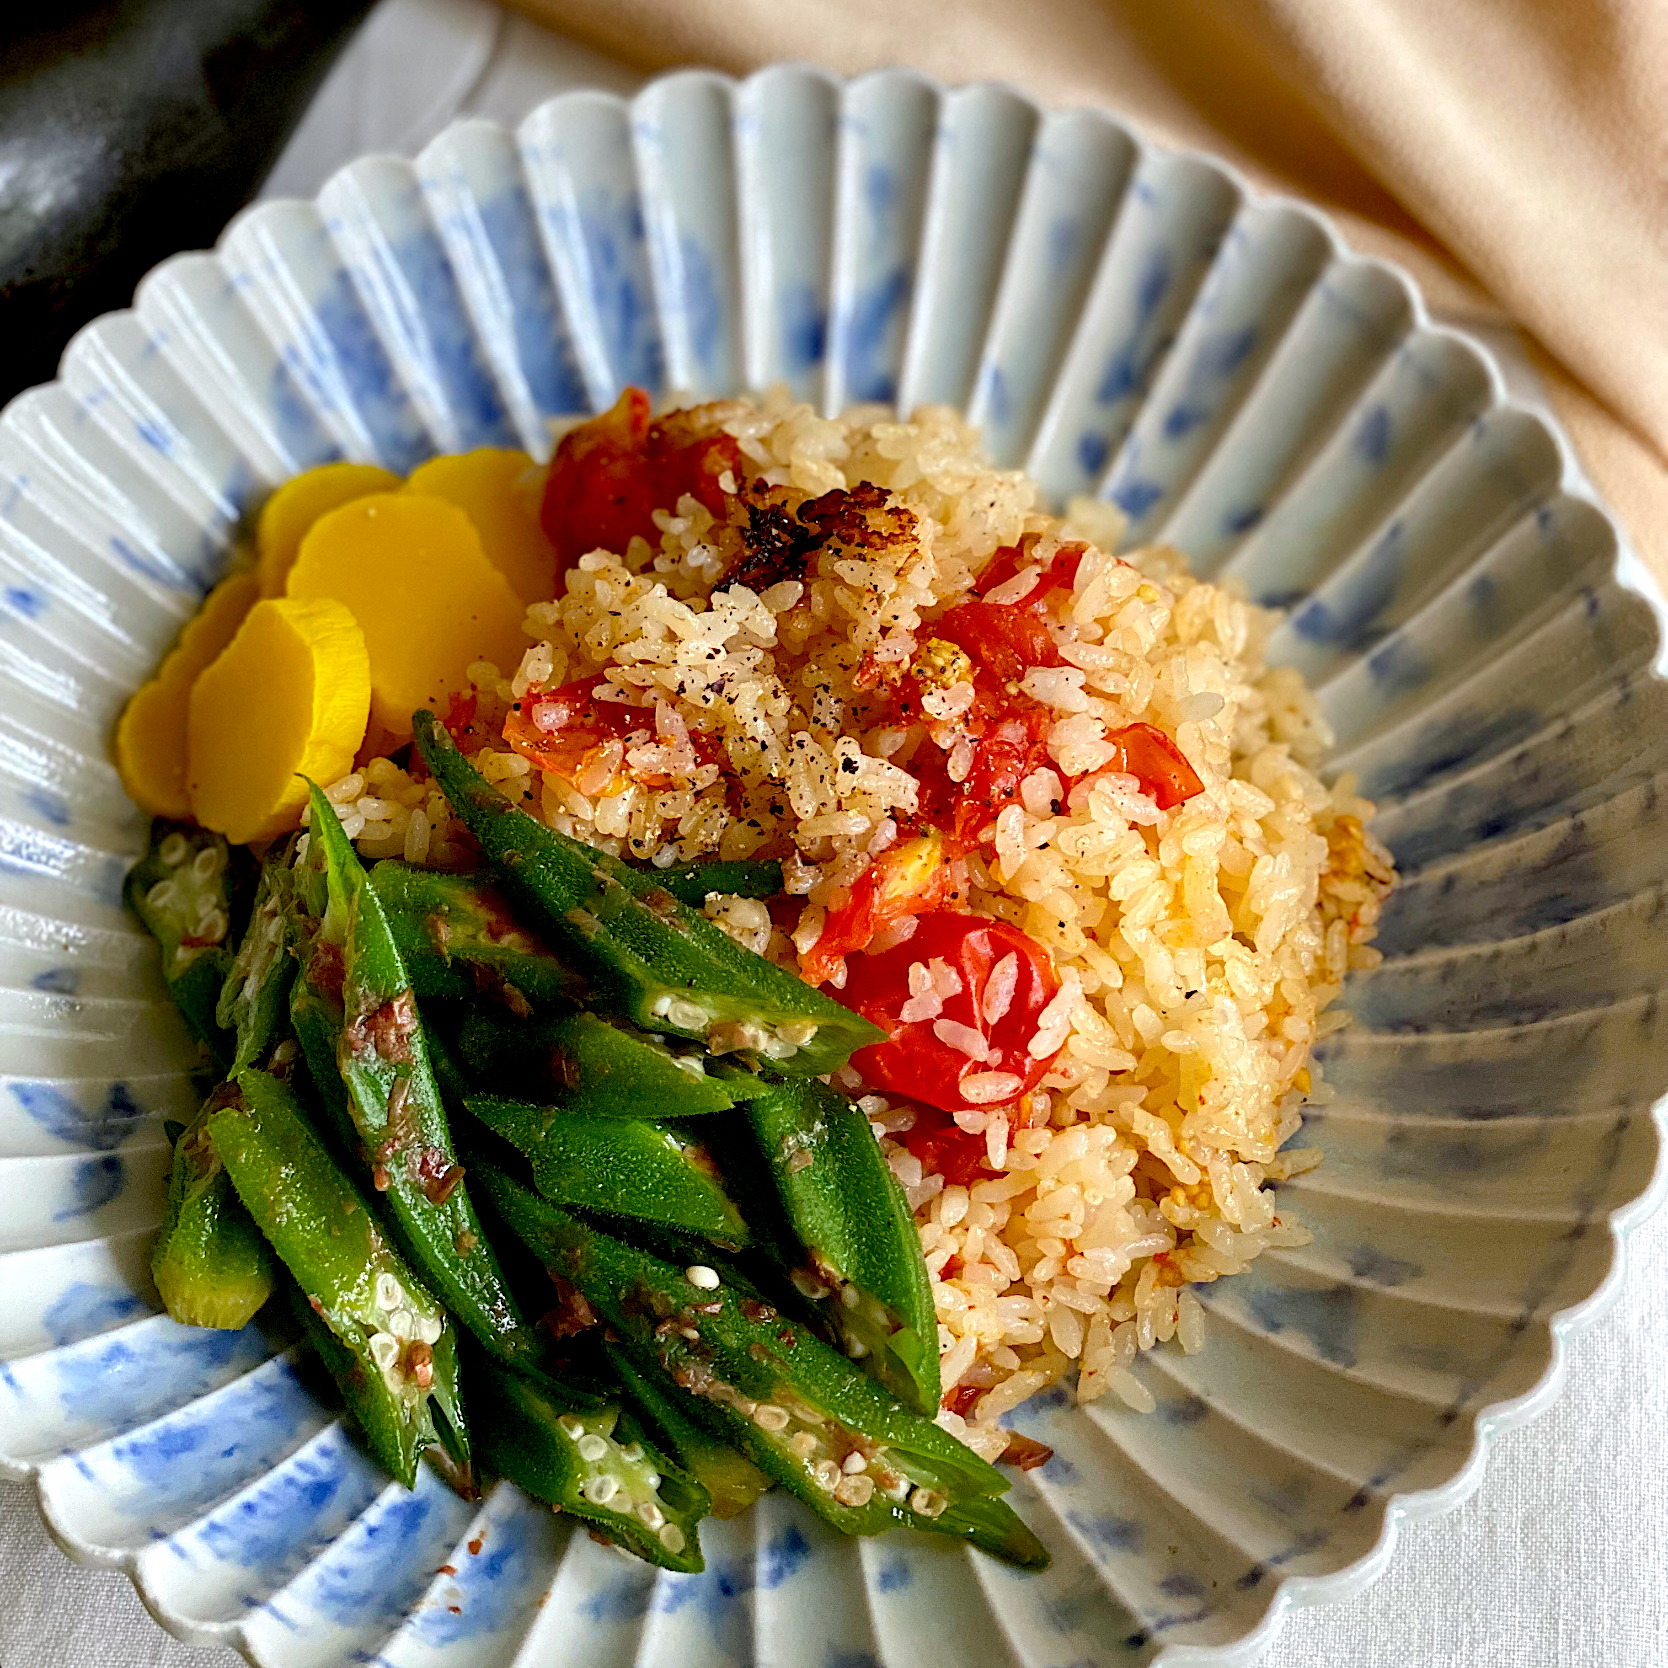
[
  {"x": 610, "y": 475},
  {"x": 915, "y": 1062}
]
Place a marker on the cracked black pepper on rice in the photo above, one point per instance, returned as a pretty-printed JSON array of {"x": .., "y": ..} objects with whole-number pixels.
[{"x": 764, "y": 680}]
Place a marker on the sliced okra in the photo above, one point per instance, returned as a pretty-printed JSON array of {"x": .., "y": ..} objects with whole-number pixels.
[
  {"x": 458, "y": 937},
  {"x": 732, "y": 1480},
  {"x": 210, "y": 1264},
  {"x": 865, "y": 1274},
  {"x": 648, "y": 957},
  {"x": 350, "y": 960},
  {"x": 602, "y": 1067},
  {"x": 254, "y": 1000},
  {"x": 397, "y": 1354},
  {"x": 570, "y": 1454},
  {"x": 627, "y": 1167},
  {"x": 183, "y": 891},
  {"x": 796, "y": 1407},
  {"x": 694, "y": 883}
]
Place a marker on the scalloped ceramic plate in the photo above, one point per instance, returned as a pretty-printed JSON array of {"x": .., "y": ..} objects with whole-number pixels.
[{"x": 1121, "y": 320}]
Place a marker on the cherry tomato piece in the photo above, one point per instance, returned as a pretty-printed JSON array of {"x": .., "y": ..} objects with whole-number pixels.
[
  {"x": 610, "y": 475},
  {"x": 945, "y": 1150},
  {"x": 1004, "y": 641},
  {"x": 1012, "y": 743},
  {"x": 1156, "y": 762},
  {"x": 561, "y": 730},
  {"x": 1059, "y": 575},
  {"x": 1005, "y": 981},
  {"x": 908, "y": 879}
]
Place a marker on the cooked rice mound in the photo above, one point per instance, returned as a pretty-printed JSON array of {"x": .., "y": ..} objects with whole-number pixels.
[{"x": 1199, "y": 947}]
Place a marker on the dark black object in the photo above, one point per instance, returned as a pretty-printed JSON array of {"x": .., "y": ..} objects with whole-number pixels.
[{"x": 132, "y": 129}]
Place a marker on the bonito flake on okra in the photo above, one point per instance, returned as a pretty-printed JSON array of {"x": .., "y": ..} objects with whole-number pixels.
[{"x": 782, "y": 947}]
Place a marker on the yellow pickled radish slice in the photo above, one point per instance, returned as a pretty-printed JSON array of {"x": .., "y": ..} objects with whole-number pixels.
[
  {"x": 411, "y": 570},
  {"x": 288, "y": 698},
  {"x": 150, "y": 734},
  {"x": 499, "y": 491},
  {"x": 297, "y": 504}
]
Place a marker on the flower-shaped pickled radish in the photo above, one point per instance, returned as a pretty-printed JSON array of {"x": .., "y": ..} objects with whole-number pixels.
[
  {"x": 150, "y": 735},
  {"x": 411, "y": 569},
  {"x": 296, "y": 505},
  {"x": 287, "y": 698},
  {"x": 498, "y": 490}
]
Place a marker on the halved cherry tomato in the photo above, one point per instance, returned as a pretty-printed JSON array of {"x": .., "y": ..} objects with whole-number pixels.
[
  {"x": 908, "y": 879},
  {"x": 610, "y": 475},
  {"x": 919, "y": 1060},
  {"x": 1155, "y": 761}
]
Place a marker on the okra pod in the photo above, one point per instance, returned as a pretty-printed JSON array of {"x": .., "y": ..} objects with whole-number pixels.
[
  {"x": 381, "y": 1054},
  {"x": 794, "y": 1405},
  {"x": 398, "y": 1352},
  {"x": 388, "y": 1433},
  {"x": 866, "y": 1275},
  {"x": 570, "y": 1455},
  {"x": 694, "y": 883},
  {"x": 182, "y": 890},
  {"x": 254, "y": 999},
  {"x": 603, "y": 1068},
  {"x": 652, "y": 959},
  {"x": 458, "y": 937},
  {"x": 732, "y": 1480},
  {"x": 626, "y": 1167},
  {"x": 210, "y": 1264}
]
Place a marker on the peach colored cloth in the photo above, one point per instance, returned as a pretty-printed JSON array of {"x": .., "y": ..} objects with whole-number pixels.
[{"x": 1512, "y": 153}]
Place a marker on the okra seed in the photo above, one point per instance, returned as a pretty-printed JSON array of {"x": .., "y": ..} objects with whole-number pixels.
[
  {"x": 385, "y": 1350},
  {"x": 599, "y": 1490},
  {"x": 685, "y": 1016},
  {"x": 390, "y": 1294},
  {"x": 671, "y": 1537},
  {"x": 856, "y": 1348},
  {"x": 798, "y": 1032},
  {"x": 570, "y": 1426},
  {"x": 592, "y": 1448},
  {"x": 698, "y": 1274},
  {"x": 928, "y": 1502},
  {"x": 848, "y": 1297},
  {"x": 803, "y": 1443},
  {"x": 769, "y": 1417},
  {"x": 895, "y": 1486},
  {"x": 172, "y": 850},
  {"x": 855, "y": 1491},
  {"x": 206, "y": 865},
  {"x": 853, "y": 1463},
  {"x": 162, "y": 894},
  {"x": 826, "y": 1474},
  {"x": 403, "y": 1324},
  {"x": 632, "y": 1452},
  {"x": 651, "y": 1514}
]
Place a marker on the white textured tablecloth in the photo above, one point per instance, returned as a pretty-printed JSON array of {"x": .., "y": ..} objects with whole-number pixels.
[{"x": 1560, "y": 1559}]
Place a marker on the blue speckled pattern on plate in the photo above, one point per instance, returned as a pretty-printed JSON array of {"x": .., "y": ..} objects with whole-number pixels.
[{"x": 1122, "y": 321}]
